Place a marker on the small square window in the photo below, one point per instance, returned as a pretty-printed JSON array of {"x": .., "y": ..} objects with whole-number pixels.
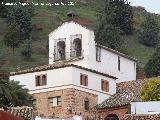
[
  {"x": 84, "y": 80},
  {"x": 59, "y": 101},
  {"x": 41, "y": 80},
  {"x": 98, "y": 54},
  {"x": 105, "y": 86},
  {"x": 119, "y": 63},
  {"x": 86, "y": 104},
  {"x": 55, "y": 101}
]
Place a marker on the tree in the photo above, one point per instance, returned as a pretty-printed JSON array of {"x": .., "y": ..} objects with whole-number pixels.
[
  {"x": 152, "y": 68},
  {"x": 115, "y": 20},
  {"x": 5, "y": 8},
  {"x": 19, "y": 94},
  {"x": 149, "y": 33},
  {"x": 119, "y": 14},
  {"x": 13, "y": 36},
  {"x": 4, "y": 93},
  {"x": 110, "y": 37},
  {"x": 13, "y": 94},
  {"x": 151, "y": 91},
  {"x": 27, "y": 50},
  {"x": 20, "y": 16}
]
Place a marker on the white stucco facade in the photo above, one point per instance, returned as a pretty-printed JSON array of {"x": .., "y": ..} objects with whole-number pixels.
[
  {"x": 109, "y": 58},
  {"x": 67, "y": 77},
  {"x": 151, "y": 107},
  {"x": 74, "y": 44}
]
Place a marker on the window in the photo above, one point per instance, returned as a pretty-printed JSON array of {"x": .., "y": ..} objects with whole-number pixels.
[
  {"x": 59, "y": 49},
  {"x": 105, "y": 86},
  {"x": 76, "y": 45},
  {"x": 84, "y": 80},
  {"x": 38, "y": 83},
  {"x": 98, "y": 54},
  {"x": 77, "y": 48},
  {"x": 119, "y": 63},
  {"x": 41, "y": 80},
  {"x": 55, "y": 101},
  {"x": 34, "y": 102},
  {"x": 86, "y": 104},
  {"x": 44, "y": 79}
]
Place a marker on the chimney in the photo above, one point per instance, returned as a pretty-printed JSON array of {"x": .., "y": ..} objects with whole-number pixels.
[{"x": 71, "y": 14}]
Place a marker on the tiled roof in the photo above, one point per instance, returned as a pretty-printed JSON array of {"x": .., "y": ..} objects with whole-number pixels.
[
  {"x": 126, "y": 92},
  {"x": 56, "y": 66},
  {"x": 77, "y": 22},
  {"x": 40, "y": 68}
]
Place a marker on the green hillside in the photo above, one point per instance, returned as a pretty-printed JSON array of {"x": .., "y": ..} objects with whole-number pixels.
[{"x": 49, "y": 18}]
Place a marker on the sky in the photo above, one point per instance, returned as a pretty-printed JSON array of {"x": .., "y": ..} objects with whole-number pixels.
[{"x": 152, "y": 6}]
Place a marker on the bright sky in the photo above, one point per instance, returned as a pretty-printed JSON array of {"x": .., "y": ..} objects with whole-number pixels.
[{"x": 150, "y": 5}]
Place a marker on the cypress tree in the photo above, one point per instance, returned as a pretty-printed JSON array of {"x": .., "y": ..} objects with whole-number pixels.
[
  {"x": 109, "y": 36},
  {"x": 13, "y": 37},
  {"x": 119, "y": 13},
  {"x": 116, "y": 19},
  {"x": 26, "y": 52},
  {"x": 149, "y": 33},
  {"x": 152, "y": 68},
  {"x": 20, "y": 16}
]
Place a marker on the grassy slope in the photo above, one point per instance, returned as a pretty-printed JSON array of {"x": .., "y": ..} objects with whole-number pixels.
[{"x": 50, "y": 18}]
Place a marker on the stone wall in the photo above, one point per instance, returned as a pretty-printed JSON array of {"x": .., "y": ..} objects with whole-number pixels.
[
  {"x": 141, "y": 117},
  {"x": 71, "y": 98},
  {"x": 118, "y": 111}
]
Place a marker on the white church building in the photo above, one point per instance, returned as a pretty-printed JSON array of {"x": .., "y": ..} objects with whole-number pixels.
[{"x": 80, "y": 73}]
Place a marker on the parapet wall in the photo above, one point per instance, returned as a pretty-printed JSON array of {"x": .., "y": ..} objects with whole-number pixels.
[{"x": 141, "y": 117}]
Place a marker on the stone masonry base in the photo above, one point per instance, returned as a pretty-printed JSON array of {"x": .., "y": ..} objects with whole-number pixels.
[{"x": 71, "y": 98}]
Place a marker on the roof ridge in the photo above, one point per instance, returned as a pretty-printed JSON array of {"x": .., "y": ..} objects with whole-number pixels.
[{"x": 58, "y": 65}]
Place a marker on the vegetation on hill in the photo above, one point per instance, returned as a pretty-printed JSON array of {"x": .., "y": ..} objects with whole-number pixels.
[
  {"x": 115, "y": 21},
  {"x": 149, "y": 32},
  {"x": 47, "y": 18},
  {"x": 152, "y": 68}
]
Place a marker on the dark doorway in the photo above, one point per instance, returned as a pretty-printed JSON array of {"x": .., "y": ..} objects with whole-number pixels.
[{"x": 112, "y": 117}]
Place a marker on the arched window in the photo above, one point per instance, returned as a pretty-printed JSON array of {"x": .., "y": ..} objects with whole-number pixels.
[
  {"x": 61, "y": 50},
  {"x": 112, "y": 117},
  {"x": 77, "y": 46},
  {"x": 41, "y": 80},
  {"x": 86, "y": 104},
  {"x": 44, "y": 79},
  {"x": 38, "y": 81}
]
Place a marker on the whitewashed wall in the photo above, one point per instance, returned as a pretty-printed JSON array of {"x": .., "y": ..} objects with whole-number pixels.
[
  {"x": 55, "y": 77},
  {"x": 94, "y": 83},
  {"x": 109, "y": 60},
  {"x": 65, "y": 31},
  {"x": 68, "y": 77},
  {"x": 109, "y": 65},
  {"x": 145, "y": 107}
]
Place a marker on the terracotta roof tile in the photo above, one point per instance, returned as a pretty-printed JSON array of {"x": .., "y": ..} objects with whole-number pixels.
[
  {"x": 56, "y": 66},
  {"x": 126, "y": 92}
]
